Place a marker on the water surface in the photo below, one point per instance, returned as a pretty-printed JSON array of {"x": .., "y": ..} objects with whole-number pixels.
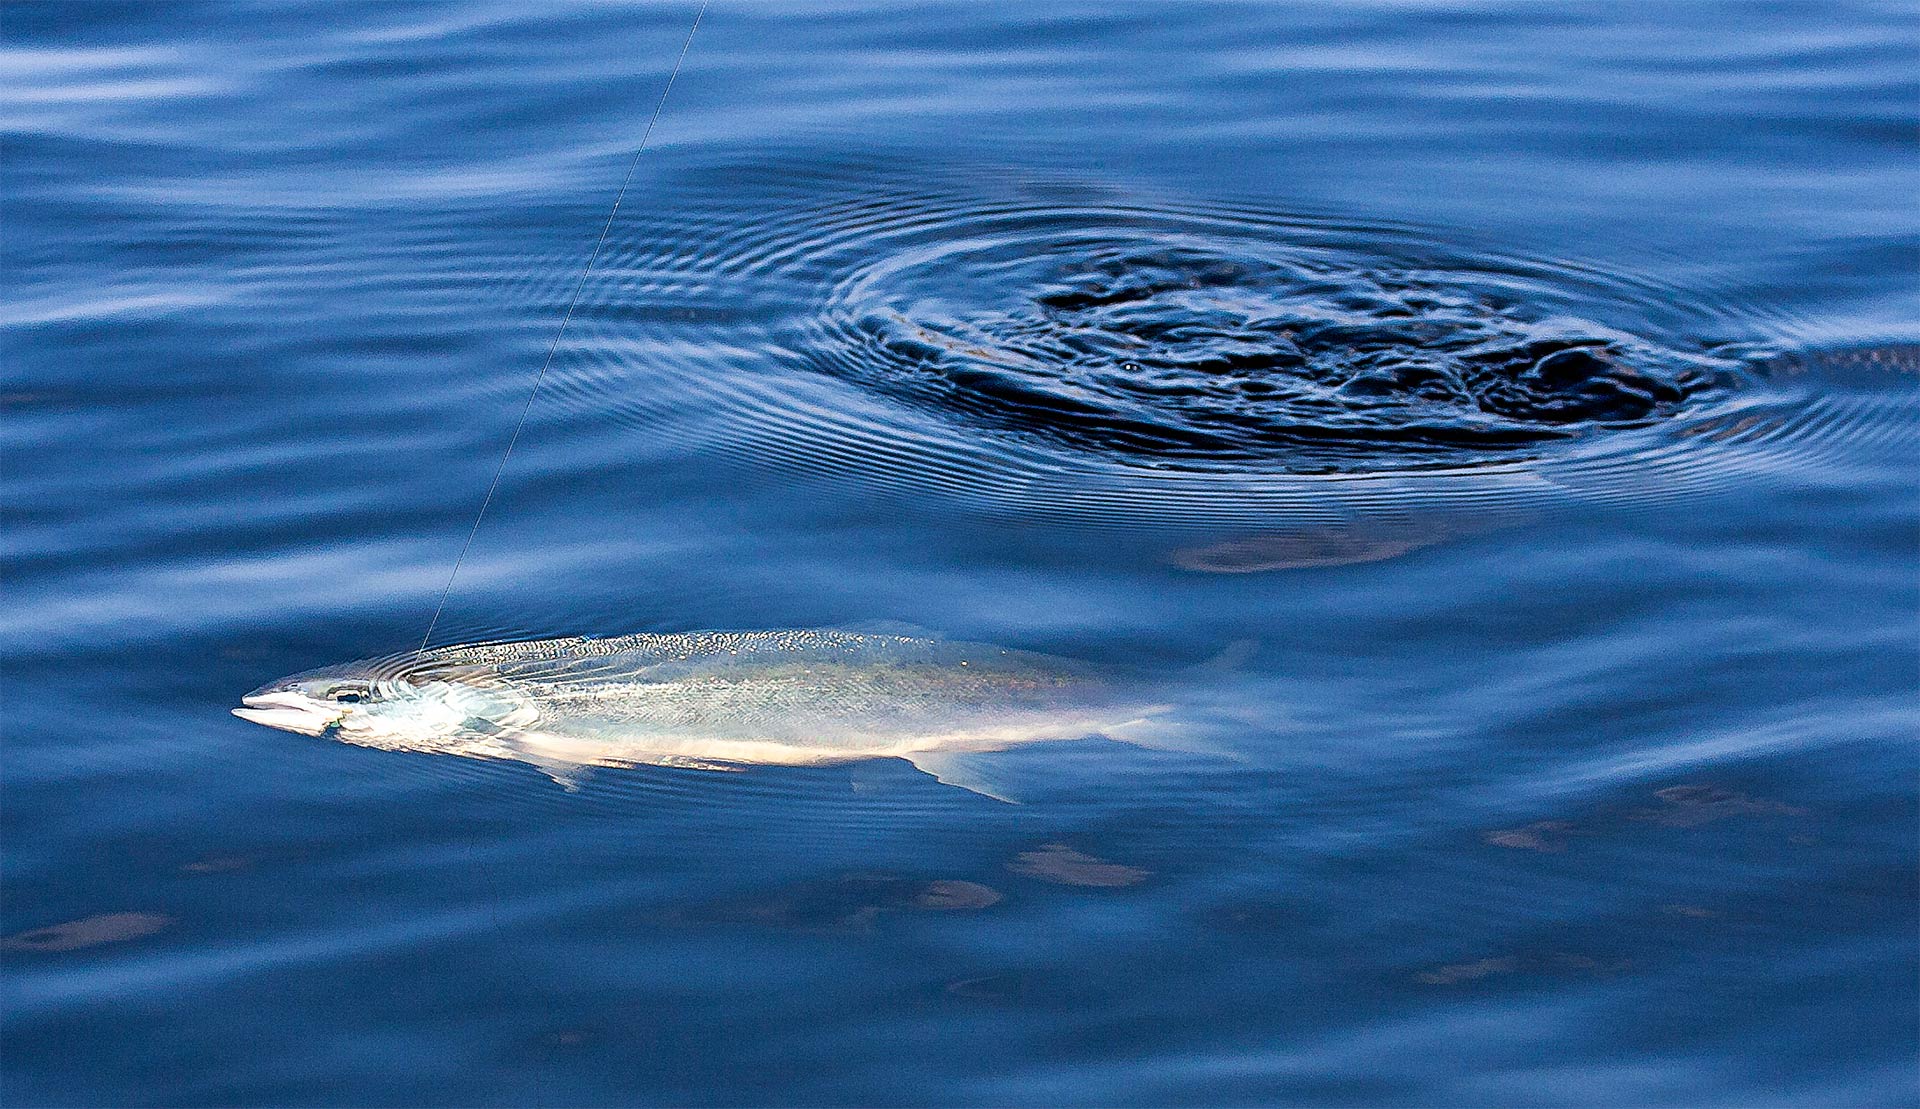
[{"x": 1533, "y": 383}]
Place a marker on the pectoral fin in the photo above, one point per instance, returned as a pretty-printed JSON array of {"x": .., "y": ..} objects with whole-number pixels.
[
  {"x": 567, "y": 775},
  {"x": 553, "y": 757},
  {"x": 970, "y": 771}
]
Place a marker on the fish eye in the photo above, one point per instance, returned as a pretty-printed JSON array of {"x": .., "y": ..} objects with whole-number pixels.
[{"x": 351, "y": 695}]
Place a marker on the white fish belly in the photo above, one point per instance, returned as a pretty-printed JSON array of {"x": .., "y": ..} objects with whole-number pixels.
[{"x": 824, "y": 743}]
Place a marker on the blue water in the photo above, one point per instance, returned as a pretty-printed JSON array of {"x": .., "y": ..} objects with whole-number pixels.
[{"x": 1533, "y": 383}]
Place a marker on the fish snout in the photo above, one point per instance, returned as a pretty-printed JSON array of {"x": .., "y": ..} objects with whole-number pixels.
[{"x": 288, "y": 711}]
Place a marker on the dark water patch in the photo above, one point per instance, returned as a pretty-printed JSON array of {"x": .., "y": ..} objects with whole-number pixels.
[
  {"x": 220, "y": 864},
  {"x": 1220, "y": 343},
  {"x": 1064, "y": 866},
  {"x": 1188, "y": 335},
  {"x": 1544, "y": 836},
  {"x": 1545, "y": 965},
  {"x": 1007, "y": 987},
  {"x": 1875, "y": 366},
  {"x": 850, "y": 903},
  {"x": 1338, "y": 544},
  {"x": 92, "y": 931},
  {"x": 1687, "y": 805}
]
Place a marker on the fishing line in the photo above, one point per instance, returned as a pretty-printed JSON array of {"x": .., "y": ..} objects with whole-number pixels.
[{"x": 560, "y": 333}]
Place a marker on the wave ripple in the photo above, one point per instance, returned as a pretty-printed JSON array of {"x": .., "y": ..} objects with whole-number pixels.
[
  {"x": 1196, "y": 336},
  {"x": 1066, "y": 352}
]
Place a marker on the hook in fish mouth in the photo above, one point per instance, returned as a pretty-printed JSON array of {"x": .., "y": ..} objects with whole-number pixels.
[{"x": 290, "y": 711}]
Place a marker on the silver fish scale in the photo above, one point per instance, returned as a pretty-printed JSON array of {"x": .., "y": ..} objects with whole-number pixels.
[
  {"x": 797, "y": 687},
  {"x": 660, "y": 647}
]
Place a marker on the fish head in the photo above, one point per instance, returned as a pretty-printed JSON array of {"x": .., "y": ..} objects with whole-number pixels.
[{"x": 372, "y": 705}]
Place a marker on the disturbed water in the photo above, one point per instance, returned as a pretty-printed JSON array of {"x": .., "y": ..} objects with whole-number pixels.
[
  {"x": 1240, "y": 337},
  {"x": 1507, "y": 413}
]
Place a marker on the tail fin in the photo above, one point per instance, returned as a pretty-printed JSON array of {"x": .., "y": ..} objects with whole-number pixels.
[{"x": 1161, "y": 733}]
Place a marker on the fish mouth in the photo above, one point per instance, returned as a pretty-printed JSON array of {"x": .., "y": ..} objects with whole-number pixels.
[{"x": 287, "y": 711}]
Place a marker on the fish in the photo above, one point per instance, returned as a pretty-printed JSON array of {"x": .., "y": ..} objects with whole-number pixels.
[{"x": 720, "y": 700}]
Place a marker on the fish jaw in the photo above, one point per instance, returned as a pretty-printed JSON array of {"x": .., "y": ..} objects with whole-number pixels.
[{"x": 289, "y": 711}]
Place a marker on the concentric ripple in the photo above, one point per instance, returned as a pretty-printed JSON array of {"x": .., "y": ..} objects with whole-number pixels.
[
  {"x": 1199, "y": 338},
  {"x": 1069, "y": 353}
]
